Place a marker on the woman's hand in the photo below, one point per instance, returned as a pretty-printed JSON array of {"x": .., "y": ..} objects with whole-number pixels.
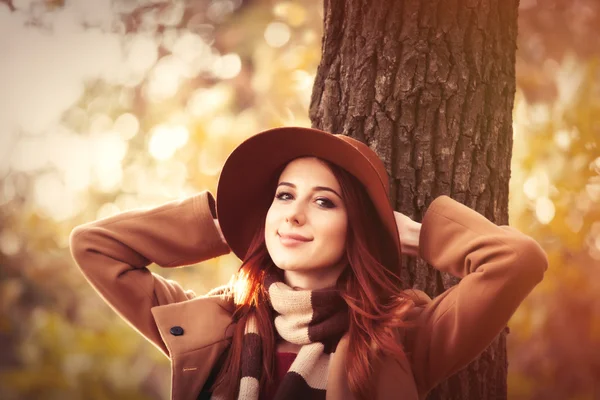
[{"x": 409, "y": 232}]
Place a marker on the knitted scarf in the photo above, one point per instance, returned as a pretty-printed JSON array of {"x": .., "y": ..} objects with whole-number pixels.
[{"x": 314, "y": 319}]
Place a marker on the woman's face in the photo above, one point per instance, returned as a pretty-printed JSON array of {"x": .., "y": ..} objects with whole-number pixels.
[{"x": 305, "y": 228}]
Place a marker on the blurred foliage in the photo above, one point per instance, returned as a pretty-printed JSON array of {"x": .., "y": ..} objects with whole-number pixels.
[
  {"x": 107, "y": 106},
  {"x": 554, "y": 348}
]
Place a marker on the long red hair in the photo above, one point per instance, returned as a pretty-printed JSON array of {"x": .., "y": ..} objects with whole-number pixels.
[{"x": 371, "y": 287}]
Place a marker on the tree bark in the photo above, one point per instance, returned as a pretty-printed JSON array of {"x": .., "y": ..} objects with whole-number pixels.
[{"x": 429, "y": 85}]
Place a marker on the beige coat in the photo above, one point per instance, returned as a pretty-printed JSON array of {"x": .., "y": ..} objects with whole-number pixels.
[{"x": 498, "y": 265}]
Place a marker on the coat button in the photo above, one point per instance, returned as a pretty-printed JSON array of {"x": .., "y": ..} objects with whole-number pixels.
[{"x": 176, "y": 331}]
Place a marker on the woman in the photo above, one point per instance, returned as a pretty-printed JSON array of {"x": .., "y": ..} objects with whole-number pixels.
[{"x": 317, "y": 309}]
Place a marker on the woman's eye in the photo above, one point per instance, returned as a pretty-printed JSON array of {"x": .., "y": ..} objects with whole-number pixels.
[
  {"x": 325, "y": 203},
  {"x": 283, "y": 196},
  {"x": 322, "y": 202}
]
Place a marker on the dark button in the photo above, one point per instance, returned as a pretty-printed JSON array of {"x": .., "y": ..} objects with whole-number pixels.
[{"x": 176, "y": 331}]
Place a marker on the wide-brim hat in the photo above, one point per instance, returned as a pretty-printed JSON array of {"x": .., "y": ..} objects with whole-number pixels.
[{"x": 247, "y": 181}]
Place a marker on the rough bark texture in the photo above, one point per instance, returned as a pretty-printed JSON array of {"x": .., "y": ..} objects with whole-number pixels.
[{"x": 429, "y": 85}]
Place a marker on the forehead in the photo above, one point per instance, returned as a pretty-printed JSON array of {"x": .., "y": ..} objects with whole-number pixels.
[{"x": 309, "y": 169}]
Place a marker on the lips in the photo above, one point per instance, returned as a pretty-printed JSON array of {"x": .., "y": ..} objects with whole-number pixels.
[{"x": 291, "y": 239}]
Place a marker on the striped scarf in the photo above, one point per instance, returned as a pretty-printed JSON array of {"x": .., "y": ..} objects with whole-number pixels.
[{"x": 314, "y": 319}]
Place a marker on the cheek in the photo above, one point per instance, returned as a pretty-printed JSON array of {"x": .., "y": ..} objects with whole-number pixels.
[
  {"x": 271, "y": 222},
  {"x": 335, "y": 231},
  {"x": 271, "y": 213}
]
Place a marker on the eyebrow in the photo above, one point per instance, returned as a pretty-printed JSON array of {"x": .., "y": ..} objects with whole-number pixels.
[{"x": 315, "y": 189}]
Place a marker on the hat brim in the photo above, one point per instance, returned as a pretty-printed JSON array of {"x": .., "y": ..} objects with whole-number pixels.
[{"x": 246, "y": 184}]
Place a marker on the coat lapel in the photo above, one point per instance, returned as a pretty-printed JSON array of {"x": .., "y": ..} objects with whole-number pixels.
[{"x": 195, "y": 332}]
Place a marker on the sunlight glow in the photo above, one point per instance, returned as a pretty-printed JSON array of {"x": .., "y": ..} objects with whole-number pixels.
[
  {"x": 277, "y": 34},
  {"x": 569, "y": 79},
  {"x": 228, "y": 66},
  {"x": 220, "y": 126},
  {"x": 127, "y": 125},
  {"x": 208, "y": 162},
  {"x": 133, "y": 175},
  {"x": 107, "y": 210},
  {"x": 165, "y": 140},
  {"x": 53, "y": 200},
  {"x": 206, "y": 102},
  {"x": 100, "y": 123},
  {"x": 303, "y": 82},
  {"x": 108, "y": 148},
  {"x": 107, "y": 152},
  {"x": 29, "y": 155},
  {"x": 537, "y": 185},
  {"x": 165, "y": 78},
  {"x": 77, "y": 178},
  {"x": 593, "y": 190},
  {"x": 171, "y": 176},
  {"x": 180, "y": 135},
  {"x": 293, "y": 13},
  {"x": 562, "y": 138},
  {"x": 70, "y": 154},
  {"x": 107, "y": 177},
  {"x": 194, "y": 53},
  {"x": 142, "y": 53},
  {"x": 595, "y": 165},
  {"x": 544, "y": 210},
  {"x": 39, "y": 96},
  {"x": 539, "y": 114}
]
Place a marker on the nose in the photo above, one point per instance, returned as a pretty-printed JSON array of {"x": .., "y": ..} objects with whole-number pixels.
[{"x": 295, "y": 214}]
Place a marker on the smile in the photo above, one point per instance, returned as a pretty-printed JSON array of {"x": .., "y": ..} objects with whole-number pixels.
[{"x": 292, "y": 240}]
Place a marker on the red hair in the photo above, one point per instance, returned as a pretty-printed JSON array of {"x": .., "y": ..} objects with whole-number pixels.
[{"x": 371, "y": 287}]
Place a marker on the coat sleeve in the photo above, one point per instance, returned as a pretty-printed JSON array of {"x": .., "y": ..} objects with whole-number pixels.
[
  {"x": 113, "y": 254},
  {"x": 499, "y": 267}
]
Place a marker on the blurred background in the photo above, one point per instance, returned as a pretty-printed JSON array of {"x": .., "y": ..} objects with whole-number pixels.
[{"x": 111, "y": 105}]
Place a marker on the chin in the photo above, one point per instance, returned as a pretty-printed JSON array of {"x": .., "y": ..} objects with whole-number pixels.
[{"x": 288, "y": 265}]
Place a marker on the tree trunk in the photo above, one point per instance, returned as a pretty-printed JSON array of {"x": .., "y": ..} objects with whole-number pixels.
[{"x": 429, "y": 85}]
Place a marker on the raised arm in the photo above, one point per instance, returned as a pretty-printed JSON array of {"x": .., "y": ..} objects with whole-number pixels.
[
  {"x": 498, "y": 265},
  {"x": 113, "y": 254}
]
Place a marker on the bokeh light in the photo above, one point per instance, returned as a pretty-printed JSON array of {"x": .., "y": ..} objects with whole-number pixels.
[
  {"x": 227, "y": 66},
  {"x": 277, "y": 34},
  {"x": 165, "y": 140}
]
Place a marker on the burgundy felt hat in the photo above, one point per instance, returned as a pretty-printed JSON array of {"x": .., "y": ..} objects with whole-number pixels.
[{"x": 249, "y": 176}]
